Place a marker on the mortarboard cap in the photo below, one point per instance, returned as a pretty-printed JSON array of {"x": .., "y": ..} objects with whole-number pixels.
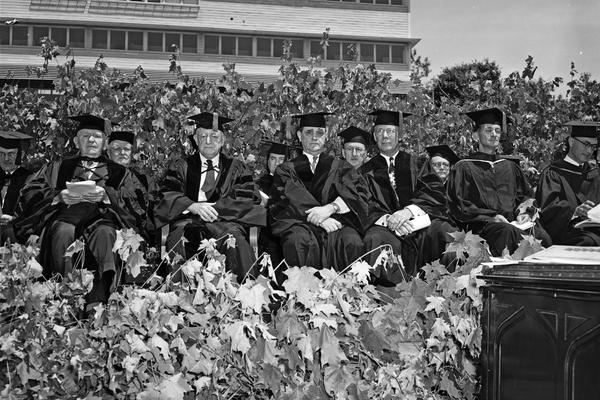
[
  {"x": 444, "y": 151},
  {"x": 269, "y": 147},
  {"x": 12, "y": 139},
  {"x": 126, "y": 136},
  {"x": 208, "y": 120},
  {"x": 583, "y": 128},
  {"x": 489, "y": 116},
  {"x": 388, "y": 117},
  {"x": 312, "y": 119},
  {"x": 89, "y": 121},
  {"x": 356, "y": 135}
]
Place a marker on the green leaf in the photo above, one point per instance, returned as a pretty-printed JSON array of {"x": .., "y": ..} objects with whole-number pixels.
[
  {"x": 135, "y": 261},
  {"x": 237, "y": 334},
  {"x": 252, "y": 297},
  {"x": 303, "y": 283},
  {"x": 336, "y": 380},
  {"x": 331, "y": 352}
]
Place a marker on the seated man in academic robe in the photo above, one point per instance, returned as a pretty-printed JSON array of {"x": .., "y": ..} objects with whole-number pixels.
[
  {"x": 396, "y": 219},
  {"x": 121, "y": 145},
  {"x": 488, "y": 192},
  {"x": 570, "y": 187},
  {"x": 12, "y": 180},
  {"x": 277, "y": 154},
  {"x": 209, "y": 195},
  {"x": 95, "y": 210},
  {"x": 319, "y": 206}
]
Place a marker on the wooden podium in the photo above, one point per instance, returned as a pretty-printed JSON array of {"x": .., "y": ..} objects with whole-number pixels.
[{"x": 541, "y": 332}]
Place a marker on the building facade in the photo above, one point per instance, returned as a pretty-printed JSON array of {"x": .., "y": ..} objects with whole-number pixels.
[{"x": 251, "y": 34}]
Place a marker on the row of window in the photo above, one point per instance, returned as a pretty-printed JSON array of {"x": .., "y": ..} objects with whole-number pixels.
[
  {"x": 104, "y": 39},
  {"x": 385, "y": 2}
]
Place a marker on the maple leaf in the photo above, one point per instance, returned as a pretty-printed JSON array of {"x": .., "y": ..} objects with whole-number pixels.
[
  {"x": 252, "y": 296},
  {"x": 230, "y": 242},
  {"x": 237, "y": 334},
  {"x": 127, "y": 242},
  {"x": 34, "y": 269},
  {"x": 327, "y": 309},
  {"x": 288, "y": 326},
  {"x": 303, "y": 283},
  {"x": 74, "y": 248},
  {"x": 331, "y": 353},
  {"x": 382, "y": 258},
  {"x": 191, "y": 267},
  {"x": 440, "y": 329},
  {"x": 134, "y": 263},
  {"x": 435, "y": 303},
  {"x": 450, "y": 388},
  {"x": 466, "y": 245},
  {"x": 361, "y": 270},
  {"x": 202, "y": 382},
  {"x": 265, "y": 351},
  {"x": 160, "y": 343},
  {"x": 173, "y": 388},
  {"x": 336, "y": 380},
  {"x": 130, "y": 364},
  {"x": 527, "y": 246},
  {"x": 434, "y": 271},
  {"x": 305, "y": 347}
]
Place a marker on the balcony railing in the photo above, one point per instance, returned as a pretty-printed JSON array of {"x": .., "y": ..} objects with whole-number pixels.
[
  {"x": 58, "y": 5},
  {"x": 147, "y": 8}
]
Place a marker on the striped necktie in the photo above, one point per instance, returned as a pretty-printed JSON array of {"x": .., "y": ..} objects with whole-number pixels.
[
  {"x": 210, "y": 179},
  {"x": 313, "y": 165},
  {"x": 391, "y": 173}
]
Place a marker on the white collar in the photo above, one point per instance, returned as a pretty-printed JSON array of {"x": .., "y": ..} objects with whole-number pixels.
[
  {"x": 215, "y": 160},
  {"x": 389, "y": 158},
  {"x": 569, "y": 160},
  {"x": 311, "y": 157}
]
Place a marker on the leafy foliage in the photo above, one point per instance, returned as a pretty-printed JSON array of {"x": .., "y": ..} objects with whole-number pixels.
[{"x": 320, "y": 335}]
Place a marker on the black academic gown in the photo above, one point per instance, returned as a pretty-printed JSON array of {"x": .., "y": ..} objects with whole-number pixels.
[
  {"x": 10, "y": 186},
  {"x": 419, "y": 247},
  {"x": 236, "y": 200},
  {"x": 483, "y": 186},
  {"x": 267, "y": 242},
  {"x": 562, "y": 188},
  {"x": 39, "y": 213},
  {"x": 297, "y": 189}
]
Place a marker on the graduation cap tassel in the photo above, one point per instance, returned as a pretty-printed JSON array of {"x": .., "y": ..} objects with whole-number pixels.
[
  {"x": 107, "y": 126},
  {"x": 504, "y": 127},
  {"x": 215, "y": 121}
]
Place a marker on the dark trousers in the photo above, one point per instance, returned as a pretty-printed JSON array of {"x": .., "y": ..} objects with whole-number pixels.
[
  {"x": 582, "y": 237},
  {"x": 99, "y": 239},
  {"x": 309, "y": 245},
  {"x": 239, "y": 259},
  {"x": 377, "y": 236},
  {"x": 501, "y": 235}
]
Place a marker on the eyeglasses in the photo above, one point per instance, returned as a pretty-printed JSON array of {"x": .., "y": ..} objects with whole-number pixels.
[
  {"x": 440, "y": 164},
  {"x": 389, "y": 131},
  {"x": 587, "y": 145}
]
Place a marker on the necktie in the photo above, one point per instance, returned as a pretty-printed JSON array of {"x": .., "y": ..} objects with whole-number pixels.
[
  {"x": 391, "y": 173},
  {"x": 89, "y": 167},
  {"x": 314, "y": 163},
  {"x": 209, "y": 180}
]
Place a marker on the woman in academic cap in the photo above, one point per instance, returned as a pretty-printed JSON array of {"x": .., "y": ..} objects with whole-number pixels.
[
  {"x": 569, "y": 188},
  {"x": 12, "y": 179}
]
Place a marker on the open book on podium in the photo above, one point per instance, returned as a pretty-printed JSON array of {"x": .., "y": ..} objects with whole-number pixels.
[{"x": 593, "y": 220}]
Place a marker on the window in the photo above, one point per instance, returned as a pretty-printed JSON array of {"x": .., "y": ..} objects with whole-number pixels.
[
  {"x": 99, "y": 39},
  {"x": 211, "y": 44},
  {"x": 19, "y": 36},
  {"x": 398, "y": 54},
  {"x": 349, "y": 51},
  {"x": 277, "y": 47},
  {"x": 315, "y": 48},
  {"x": 382, "y": 52},
  {"x": 117, "y": 40},
  {"x": 263, "y": 47},
  {"x": 135, "y": 40},
  {"x": 228, "y": 45},
  {"x": 155, "y": 41},
  {"x": 4, "y": 35},
  {"x": 333, "y": 51},
  {"x": 59, "y": 35},
  {"x": 244, "y": 46},
  {"x": 190, "y": 43},
  {"x": 39, "y": 32},
  {"x": 170, "y": 40},
  {"x": 297, "y": 48},
  {"x": 77, "y": 37},
  {"x": 366, "y": 52}
]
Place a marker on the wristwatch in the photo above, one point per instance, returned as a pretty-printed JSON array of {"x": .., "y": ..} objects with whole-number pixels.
[{"x": 335, "y": 207}]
